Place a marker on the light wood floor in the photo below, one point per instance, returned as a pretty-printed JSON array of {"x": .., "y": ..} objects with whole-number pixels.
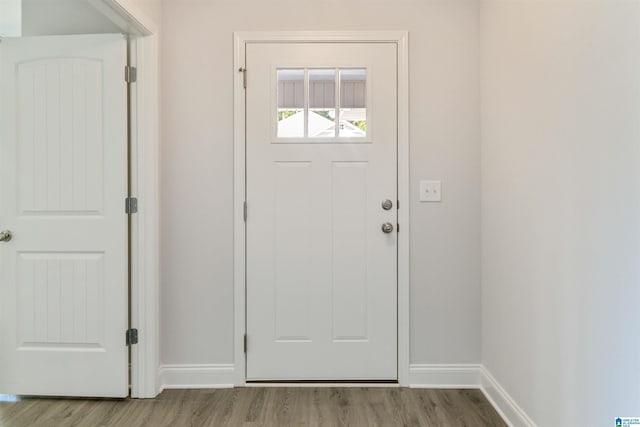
[{"x": 309, "y": 406}]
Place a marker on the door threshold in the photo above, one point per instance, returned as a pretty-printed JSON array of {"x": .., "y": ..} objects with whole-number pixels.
[{"x": 323, "y": 383}]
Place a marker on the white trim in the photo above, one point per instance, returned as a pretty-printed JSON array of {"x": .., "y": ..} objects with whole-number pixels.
[
  {"x": 404, "y": 234},
  {"x": 444, "y": 376},
  {"x": 401, "y": 38},
  {"x": 504, "y": 404},
  {"x": 239, "y": 232},
  {"x": 143, "y": 32},
  {"x": 473, "y": 376},
  {"x": 145, "y": 248},
  {"x": 197, "y": 376},
  {"x": 433, "y": 376},
  {"x": 321, "y": 36}
]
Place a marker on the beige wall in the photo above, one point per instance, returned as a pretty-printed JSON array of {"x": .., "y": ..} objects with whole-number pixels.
[
  {"x": 197, "y": 162},
  {"x": 561, "y": 207},
  {"x": 152, "y": 8}
]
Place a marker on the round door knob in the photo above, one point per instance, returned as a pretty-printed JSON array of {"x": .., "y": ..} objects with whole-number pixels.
[
  {"x": 387, "y": 227},
  {"x": 387, "y": 204},
  {"x": 5, "y": 236}
]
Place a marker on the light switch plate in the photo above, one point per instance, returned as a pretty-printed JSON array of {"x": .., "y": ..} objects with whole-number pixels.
[{"x": 430, "y": 191}]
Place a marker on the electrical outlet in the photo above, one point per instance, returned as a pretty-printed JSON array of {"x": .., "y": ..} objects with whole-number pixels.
[{"x": 430, "y": 191}]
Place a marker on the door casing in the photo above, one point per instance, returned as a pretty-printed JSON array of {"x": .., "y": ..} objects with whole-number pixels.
[
  {"x": 241, "y": 39},
  {"x": 143, "y": 35}
]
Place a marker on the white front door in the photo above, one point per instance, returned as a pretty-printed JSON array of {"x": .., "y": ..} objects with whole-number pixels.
[
  {"x": 63, "y": 182},
  {"x": 321, "y": 160}
]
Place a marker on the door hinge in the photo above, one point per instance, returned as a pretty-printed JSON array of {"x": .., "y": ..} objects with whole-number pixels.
[
  {"x": 245, "y": 343},
  {"x": 244, "y": 76},
  {"x": 397, "y": 204},
  {"x": 132, "y": 336},
  {"x": 244, "y": 213},
  {"x": 131, "y": 205},
  {"x": 130, "y": 74},
  {"x": 398, "y": 228}
]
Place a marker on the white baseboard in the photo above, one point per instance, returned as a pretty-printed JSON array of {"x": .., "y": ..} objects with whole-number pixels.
[
  {"x": 198, "y": 376},
  {"x": 470, "y": 376},
  {"x": 508, "y": 409},
  {"x": 444, "y": 376},
  {"x": 420, "y": 376}
]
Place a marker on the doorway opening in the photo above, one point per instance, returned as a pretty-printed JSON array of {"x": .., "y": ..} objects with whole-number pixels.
[{"x": 297, "y": 101}]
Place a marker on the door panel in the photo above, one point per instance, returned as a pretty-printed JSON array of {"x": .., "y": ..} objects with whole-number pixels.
[
  {"x": 64, "y": 287},
  {"x": 292, "y": 245},
  {"x": 349, "y": 250},
  {"x": 321, "y": 274},
  {"x": 59, "y": 104}
]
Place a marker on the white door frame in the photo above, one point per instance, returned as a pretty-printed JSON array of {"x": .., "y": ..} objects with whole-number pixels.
[
  {"x": 143, "y": 54},
  {"x": 401, "y": 39}
]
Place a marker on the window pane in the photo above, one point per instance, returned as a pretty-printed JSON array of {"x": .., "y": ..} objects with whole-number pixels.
[
  {"x": 290, "y": 103},
  {"x": 322, "y": 103},
  {"x": 353, "y": 103}
]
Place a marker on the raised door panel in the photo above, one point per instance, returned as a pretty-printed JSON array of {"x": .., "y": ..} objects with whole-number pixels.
[
  {"x": 349, "y": 250},
  {"x": 292, "y": 250},
  {"x": 60, "y": 136},
  {"x": 60, "y": 301}
]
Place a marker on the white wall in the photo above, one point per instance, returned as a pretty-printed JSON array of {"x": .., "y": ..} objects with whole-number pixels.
[
  {"x": 10, "y": 18},
  {"x": 197, "y": 175},
  {"x": 57, "y": 17},
  {"x": 561, "y": 207},
  {"x": 47, "y": 17}
]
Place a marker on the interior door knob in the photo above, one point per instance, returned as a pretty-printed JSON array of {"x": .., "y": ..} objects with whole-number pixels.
[
  {"x": 5, "y": 236},
  {"x": 387, "y": 204},
  {"x": 387, "y": 227}
]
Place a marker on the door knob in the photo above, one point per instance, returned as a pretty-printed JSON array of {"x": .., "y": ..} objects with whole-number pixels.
[
  {"x": 387, "y": 227},
  {"x": 387, "y": 204},
  {"x": 5, "y": 236}
]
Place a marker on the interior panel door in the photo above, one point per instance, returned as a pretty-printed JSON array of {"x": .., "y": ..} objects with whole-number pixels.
[{"x": 63, "y": 182}]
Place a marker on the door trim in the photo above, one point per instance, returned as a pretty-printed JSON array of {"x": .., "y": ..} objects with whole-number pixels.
[
  {"x": 145, "y": 254},
  {"x": 240, "y": 41},
  {"x": 143, "y": 40}
]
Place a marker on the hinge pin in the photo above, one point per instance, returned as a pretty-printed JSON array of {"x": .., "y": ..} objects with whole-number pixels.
[
  {"x": 131, "y": 205},
  {"x": 244, "y": 76},
  {"x": 130, "y": 74},
  {"x": 132, "y": 336}
]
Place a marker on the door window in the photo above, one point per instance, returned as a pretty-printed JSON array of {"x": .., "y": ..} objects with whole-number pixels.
[
  {"x": 322, "y": 105},
  {"x": 291, "y": 101}
]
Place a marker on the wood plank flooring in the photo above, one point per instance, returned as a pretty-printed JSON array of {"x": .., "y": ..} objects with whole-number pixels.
[{"x": 304, "y": 406}]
